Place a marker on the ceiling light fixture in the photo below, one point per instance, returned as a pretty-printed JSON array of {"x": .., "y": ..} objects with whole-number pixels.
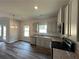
[{"x": 36, "y": 7}]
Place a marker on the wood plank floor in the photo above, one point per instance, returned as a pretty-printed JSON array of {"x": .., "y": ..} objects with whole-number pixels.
[{"x": 23, "y": 50}]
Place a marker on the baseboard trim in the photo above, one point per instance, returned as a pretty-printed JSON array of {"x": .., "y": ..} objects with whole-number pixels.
[
  {"x": 11, "y": 42},
  {"x": 24, "y": 41}
]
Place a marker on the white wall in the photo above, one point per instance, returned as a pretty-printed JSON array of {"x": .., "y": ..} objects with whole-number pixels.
[
  {"x": 13, "y": 32},
  {"x": 51, "y": 23}
]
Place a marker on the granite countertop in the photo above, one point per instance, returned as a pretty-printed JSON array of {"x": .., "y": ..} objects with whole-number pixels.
[
  {"x": 53, "y": 37},
  {"x": 58, "y": 40},
  {"x": 42, "y": 37}
]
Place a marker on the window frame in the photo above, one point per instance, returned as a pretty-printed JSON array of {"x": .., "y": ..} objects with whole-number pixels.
[
  {"x": 26, "y": 30},
  {"x": 4, "y": 32},
  {"x": 40, "y": 26},
  {"x": 0, "y": 31}
]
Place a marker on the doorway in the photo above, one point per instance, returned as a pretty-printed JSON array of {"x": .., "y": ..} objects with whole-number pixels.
[{"x": 2, "y": 32}]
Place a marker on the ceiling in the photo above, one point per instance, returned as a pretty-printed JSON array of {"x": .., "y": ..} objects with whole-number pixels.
[{"x": 25, "y": 8}]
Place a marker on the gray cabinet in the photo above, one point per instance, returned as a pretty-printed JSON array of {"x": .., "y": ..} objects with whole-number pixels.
[
  {"x": 61, "y": 54},
  {"x": 43, "y": 42},
  {"x": 32, "y": 40}
]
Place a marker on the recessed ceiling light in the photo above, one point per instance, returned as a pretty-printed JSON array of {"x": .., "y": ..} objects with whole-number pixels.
[{"x": 36, "y": 7}]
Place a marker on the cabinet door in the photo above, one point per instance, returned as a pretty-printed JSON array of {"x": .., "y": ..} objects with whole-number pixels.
[
  {"x": 32, "y": 40},
  {"x": 62, "y": 54},
  {"x": 45, "y": 43},
  {"x": 71, "y": 55},
  {"x": 57, "y": 54},
  {"x": 38, "y": 41},
  {"x": 65, "y": 55}
]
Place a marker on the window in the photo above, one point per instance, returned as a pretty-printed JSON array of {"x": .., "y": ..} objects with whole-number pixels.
[
  {"x": 42, "y": 28},
  {"x": 0, "y": 30},
  {"x": 4, "y": 32},
  {"x": 26, "y": 31}
]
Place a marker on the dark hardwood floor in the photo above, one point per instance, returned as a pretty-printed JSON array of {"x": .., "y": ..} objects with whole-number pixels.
[{"x": 23, "y": 50}]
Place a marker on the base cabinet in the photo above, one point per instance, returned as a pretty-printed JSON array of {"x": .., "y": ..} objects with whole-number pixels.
[
  {"x": 61, "y": 54},
  {"x": 43, "y": 42}
]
